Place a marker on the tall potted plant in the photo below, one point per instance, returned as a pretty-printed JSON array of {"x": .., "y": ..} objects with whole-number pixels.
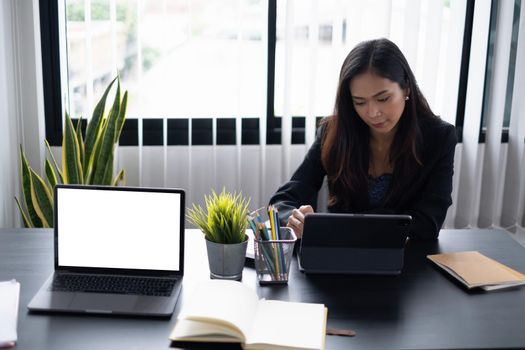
[
  {"x": 224, "y": 223},
  {"x": 85, "y": 160}
]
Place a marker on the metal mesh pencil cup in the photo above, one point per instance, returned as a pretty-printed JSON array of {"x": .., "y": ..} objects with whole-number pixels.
[{"x": 273, "y": 257}]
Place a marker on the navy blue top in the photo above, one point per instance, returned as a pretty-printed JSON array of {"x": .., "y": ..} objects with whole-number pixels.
[{"x": 377, "y": 188}]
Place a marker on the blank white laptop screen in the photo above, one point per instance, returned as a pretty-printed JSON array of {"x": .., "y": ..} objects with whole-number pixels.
[{"x": 118, "y": 229}]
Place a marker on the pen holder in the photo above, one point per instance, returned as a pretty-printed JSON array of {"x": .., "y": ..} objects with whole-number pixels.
[{"x": 273, "y": 257}]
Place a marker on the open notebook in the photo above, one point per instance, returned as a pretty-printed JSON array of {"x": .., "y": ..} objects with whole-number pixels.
[
  {"x": 221, "y": 311},
  {"x": 474, "y": 269}
]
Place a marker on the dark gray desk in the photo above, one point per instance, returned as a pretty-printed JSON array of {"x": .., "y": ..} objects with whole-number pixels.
[{"x": 421, "y": 309}]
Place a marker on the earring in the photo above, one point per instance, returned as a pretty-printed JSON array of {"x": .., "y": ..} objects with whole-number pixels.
[{"x": 406, "y": 98}]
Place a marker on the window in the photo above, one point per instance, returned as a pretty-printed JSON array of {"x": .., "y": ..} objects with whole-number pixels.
[
  {"x": 177, "y": 58},
  {"x": 197, "y": 67},
  {"x": 491, "y": 66},
  {"x": 322, "y": 33}
]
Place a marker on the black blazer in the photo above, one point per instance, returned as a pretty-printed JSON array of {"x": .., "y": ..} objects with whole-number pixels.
[{"x": 426, "y": 196}]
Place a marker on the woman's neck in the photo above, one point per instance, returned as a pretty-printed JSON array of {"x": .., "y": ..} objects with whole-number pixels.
[{"x": 380, "y": 155}]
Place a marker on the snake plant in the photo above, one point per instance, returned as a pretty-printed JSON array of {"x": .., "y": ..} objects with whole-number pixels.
[
  {"x": 225, "y": 218},
  {"x": 86, "y": 160}
]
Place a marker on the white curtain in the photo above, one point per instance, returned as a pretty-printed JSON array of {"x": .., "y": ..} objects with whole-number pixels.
[
  {"x": 490, "y": 187},
  {"x": 8, "y": 122},
  {"x": 21, "y": 99},
  {"x": 513, "y": 211}
]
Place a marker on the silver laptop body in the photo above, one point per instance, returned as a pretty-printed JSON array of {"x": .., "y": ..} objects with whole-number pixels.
[
  {"x": 118, "y": 250},
  {"x": 353, "y": 243}
]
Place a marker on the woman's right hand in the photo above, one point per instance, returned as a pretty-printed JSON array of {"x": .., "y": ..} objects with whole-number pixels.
[{"x": 296, "y": 220}]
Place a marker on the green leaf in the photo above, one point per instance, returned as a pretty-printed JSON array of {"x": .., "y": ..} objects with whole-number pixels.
[
  {"x": 120, "y": 178},
  {"x": 57, "y": 169},
  {"x": 104, "y": 153},
  {"x": 94, "y": 126},
  {"x": 108, "y": 171},
  {"x": 225, "y": 219},
  {"x": 27, "y": 223},
  {"x": 33, "y": 217},
  {"x": 80, "y": 142},
  {"x": 71, "y": 166},
  {"x": 122, "y": 115},
  {"x": 42, "y": 199},
  {"x": 50, "y": 174},
  {"x": 92, "y": 163}
]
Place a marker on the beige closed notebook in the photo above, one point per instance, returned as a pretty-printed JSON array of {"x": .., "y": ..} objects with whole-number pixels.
[{"x": 474, "y": 269}]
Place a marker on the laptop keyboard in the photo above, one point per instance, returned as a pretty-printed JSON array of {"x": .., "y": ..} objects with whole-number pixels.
[{"x": 112, "y": 284}]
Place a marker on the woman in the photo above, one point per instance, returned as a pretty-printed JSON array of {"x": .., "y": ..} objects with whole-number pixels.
[{"x": 383, "y": 151}]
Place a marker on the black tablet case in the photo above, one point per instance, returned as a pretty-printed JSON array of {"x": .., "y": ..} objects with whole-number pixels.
[{"x": 353, "y": 243}]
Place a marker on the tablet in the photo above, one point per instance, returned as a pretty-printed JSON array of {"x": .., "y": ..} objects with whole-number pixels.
[{"x": 353, "y": 243}]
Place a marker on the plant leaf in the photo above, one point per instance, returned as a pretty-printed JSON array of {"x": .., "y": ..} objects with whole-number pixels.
[
  {"x": 120, "y": 178},
  {"x": 80, "y": 142},
  {"x": 94, "y": 126},
  {"x": 122, "y": 115},
  {"x": 71, "y": 166},
  {"x": 225, "y": 219},
  {"x": 27, "y": 223},
  {"x": 92, "y": 163},
  {"x": 33, "y": 217},
  {"x": 42, "y": 199},
  {"x": 104, "y": 152},
  {"x": 57, "y": 169},
  {"x": 50, "y": 174},
  {"x": 108, "y": 171}
]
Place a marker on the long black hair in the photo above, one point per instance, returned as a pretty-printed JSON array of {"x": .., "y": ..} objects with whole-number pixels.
[{"x": 345, "y": 146}]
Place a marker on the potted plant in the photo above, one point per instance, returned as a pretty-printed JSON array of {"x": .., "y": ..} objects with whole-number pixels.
[
  {"x": 86, "y": 159},
  {"x": 223, "y": 222}
]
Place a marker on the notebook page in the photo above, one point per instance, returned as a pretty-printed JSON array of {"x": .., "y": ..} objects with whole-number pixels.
[
  {"x": 229, "y": 301},
  {"x": 288, "y": 324},
  {"x": 9, "y": 296}
]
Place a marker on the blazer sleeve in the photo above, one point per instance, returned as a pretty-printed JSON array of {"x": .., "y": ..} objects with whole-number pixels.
[
  {"x": 430, "y": 208},
  {"x": 304, "y": 185}
]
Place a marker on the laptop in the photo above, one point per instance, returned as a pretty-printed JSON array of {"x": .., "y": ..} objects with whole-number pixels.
[
  {"x": 118, "y": 250},
  {"x": 353, "y": 243}
]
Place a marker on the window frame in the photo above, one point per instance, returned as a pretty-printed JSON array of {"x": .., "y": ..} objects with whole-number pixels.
[
  {"x": 54, "y": 107},
  {"x": 51, "y": 82}
]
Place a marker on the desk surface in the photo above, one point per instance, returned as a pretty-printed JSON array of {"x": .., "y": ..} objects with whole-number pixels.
[{"x": 421, "y": 309}]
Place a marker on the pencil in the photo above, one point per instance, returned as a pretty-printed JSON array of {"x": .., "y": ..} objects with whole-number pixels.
[
  {"x": 279, "y": 237},
  {"x": 272, "y": 227}
]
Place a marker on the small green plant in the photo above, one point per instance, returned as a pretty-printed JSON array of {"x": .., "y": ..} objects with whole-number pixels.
[
  {"x": 225, "y": 218},
  {"x": 86, "y": 160}
]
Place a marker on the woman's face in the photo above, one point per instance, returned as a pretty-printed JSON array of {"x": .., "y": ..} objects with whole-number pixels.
[{"x": 378, "y": 101}]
